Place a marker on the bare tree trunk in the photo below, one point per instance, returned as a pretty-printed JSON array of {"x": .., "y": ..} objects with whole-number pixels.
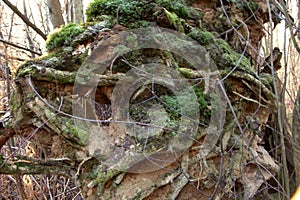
[
  {"x": 78, "y": 11},
  {"x": 44, "y": 17},
  {"x": 298, "y": 18},
  {"x": 296, "y": 136},
  {"x": 55, "y": 13}
]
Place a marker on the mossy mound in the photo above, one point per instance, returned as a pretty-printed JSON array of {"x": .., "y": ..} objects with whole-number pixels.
[
  {"x": 134, "y": 14},
  {"x": 73, "y": 35},
  {"x": 63, "y": 36},
  {"x": 221, "y": 52},
  {"x": 128, "y": 12}
]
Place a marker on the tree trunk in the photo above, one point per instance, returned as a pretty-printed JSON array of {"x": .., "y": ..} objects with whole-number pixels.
[
  {"x": 55, "y": 13},
  {"x": 296, "y": 136},
  {"x": 78, "y": 11}
]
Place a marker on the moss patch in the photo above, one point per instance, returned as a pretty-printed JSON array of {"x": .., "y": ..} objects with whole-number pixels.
[
  {"x": 128, "y": 11},
  {"x": 202, "y": 37},
  {"x": 131, "y": 11},
  {"x": 175, "y": 20},
  {"x": 63, "y": 36},
  {"x": 221, "y": 52}
]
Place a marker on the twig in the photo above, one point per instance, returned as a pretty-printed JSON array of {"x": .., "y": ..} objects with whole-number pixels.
[
  {"x": 81, "y": 164},
  {"x": 248, "y": 99},
  {"x": 117, "y": 14}
]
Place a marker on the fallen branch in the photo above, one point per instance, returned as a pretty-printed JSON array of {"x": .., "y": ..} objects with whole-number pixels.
[{"x": 26, "y": 165}]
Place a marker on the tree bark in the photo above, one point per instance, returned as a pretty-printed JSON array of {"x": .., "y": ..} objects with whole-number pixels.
[
  {"x": 55, "y": 12},
  {"x": 78, "y": 11},
  {"x": 296, "y": 136}
]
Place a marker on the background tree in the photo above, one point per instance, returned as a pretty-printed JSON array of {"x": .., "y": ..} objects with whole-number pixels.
[
  {"x": 55, "y": 12},
  {"x": 78, "y": 11}
]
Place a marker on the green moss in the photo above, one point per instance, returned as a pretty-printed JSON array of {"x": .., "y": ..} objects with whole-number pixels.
[
  {"x": 173, "y": 106},
  {"x": 83, "y": 56},
  {"x": 132, "y": 11},
  {"x": 22, "y": 71},
  {"x": 202, "y": 37},
  {"x": 221, "y": 52},
  {"x": 223, "y": 45},
  {"x": 15, "y": 101},
  {"x": 21, "y": 165},
  {"x": 63, "y": 36},
  {"x": 185, "y": 72},
  {"x": 233, "y": 59},
  {"x": 266, "y": 79},
  {"x": 45, "y": 56},
  {"x": 92, "y": 175},
  {"x": 103, "y": 176},
  {"x": 39, "y": 72},
  {"x": 175, "y": 20},
  {"x": 176, "y": 6},
  {"x": 128, "y": 11}
]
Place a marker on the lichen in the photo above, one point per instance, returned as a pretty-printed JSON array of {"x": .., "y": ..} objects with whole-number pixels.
[{"x": 16, "y": 106}]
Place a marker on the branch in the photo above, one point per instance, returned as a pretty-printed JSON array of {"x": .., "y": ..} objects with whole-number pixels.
[
  {"x": 50, "y": 74},
  {"x": 26, "y": 165},
  {"x": 239, "y": 75},
  {"x": 25, "y": 19},
  {"x": 19, "y": 47}
]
